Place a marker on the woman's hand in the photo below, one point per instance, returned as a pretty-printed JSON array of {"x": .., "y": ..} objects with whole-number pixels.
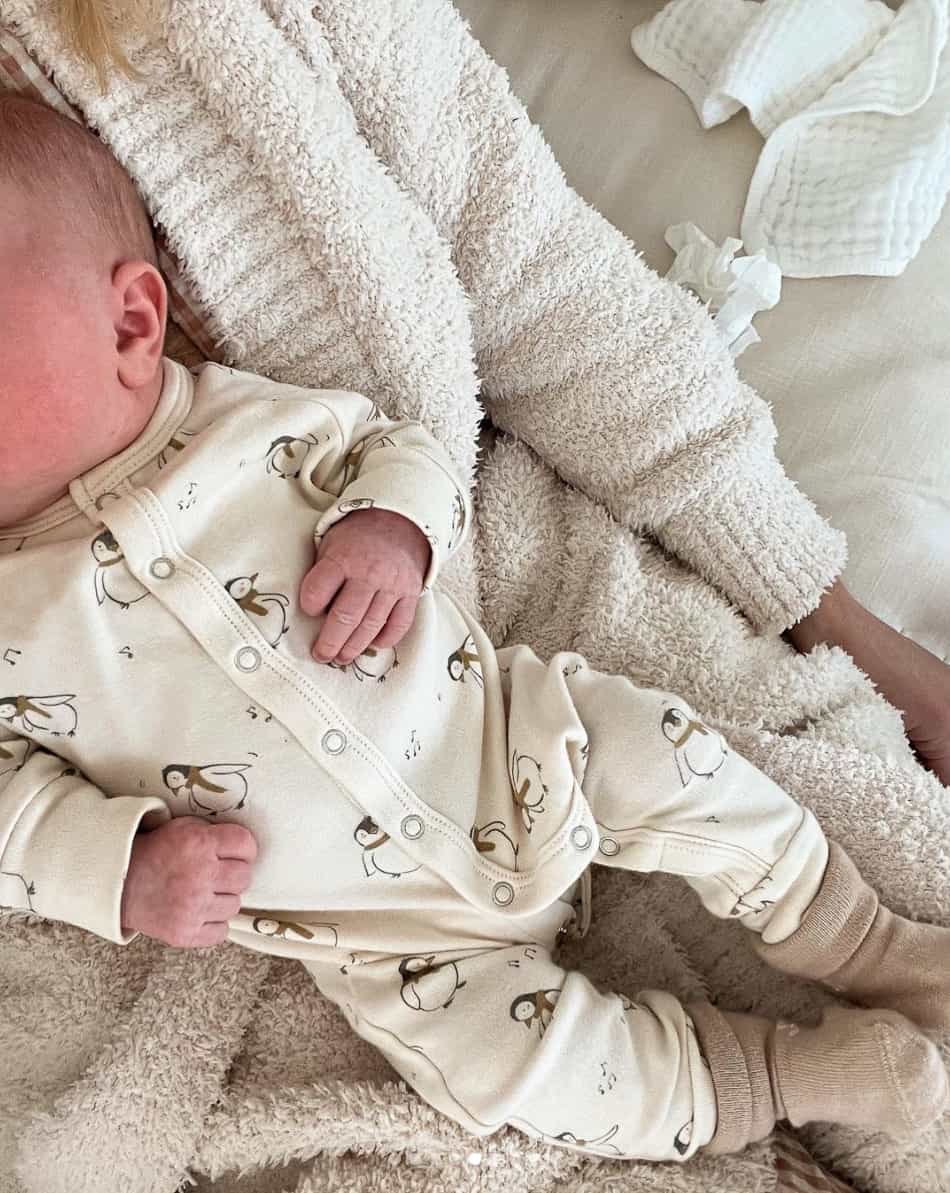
[
  {"x": 369, "y": 573},
  {"x": 912, "y": 679}
]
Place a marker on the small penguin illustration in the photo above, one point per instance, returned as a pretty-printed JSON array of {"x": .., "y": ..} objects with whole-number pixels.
[
  {"x": 177, "y": 443},
  {"x": 497, "y": 828},
  {"x": 465, "y": 661},
  {"x": 601, "y": 1141},
  {"x": 427, "y": 986},
  {"x": 535, "y": 1007},
  {"x": 287, "y": 455},
  {"x": 354, "y": 458},
  {"x": 458, "y": 521},
  {"x": 527, "y": 788},
  {"x": 699, "y": 751},
  {"x": 380, "y": 855},
  {"x": 218, "y": 787},
  {"x": 48, "y": 714},
  {"x": 752, "y": 901},
  {"x": 270, "y": 607},
  {"x": 376, "y": 662},
  {"x": 683, "y": 1137},
  {"x": 113, "y": 578},
  {"x": 355, "y": 503},
  {"x": 16, "y": 888},
  {"x": 265, "y": 925},
  {"x": 12, "y": 755}
]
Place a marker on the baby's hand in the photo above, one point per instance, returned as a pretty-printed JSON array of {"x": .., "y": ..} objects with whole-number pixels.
[{"x": 369, "y": 572}]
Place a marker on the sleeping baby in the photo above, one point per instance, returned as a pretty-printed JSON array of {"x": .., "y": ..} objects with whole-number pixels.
[{"x": 242, "y": 708}]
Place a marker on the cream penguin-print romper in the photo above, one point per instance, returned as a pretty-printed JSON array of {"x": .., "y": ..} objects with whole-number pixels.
[{"x": 424, "y": 815}]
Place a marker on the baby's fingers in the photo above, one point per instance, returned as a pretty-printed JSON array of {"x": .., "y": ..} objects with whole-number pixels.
[
  {"x": 399, "y": 624},
  {"x": 320, "y": 586},
  {"x": 364, "y": 634},
  {"x": 348, "y": 610}
]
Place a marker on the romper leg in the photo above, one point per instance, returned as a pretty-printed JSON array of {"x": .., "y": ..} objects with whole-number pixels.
[{"x": 495, "y": 1036}]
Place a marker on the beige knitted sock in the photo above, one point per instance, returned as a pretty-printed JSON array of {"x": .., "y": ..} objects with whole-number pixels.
[
  {"x": 869, "y": 1069},
  {"x": 858, "y": 948}
]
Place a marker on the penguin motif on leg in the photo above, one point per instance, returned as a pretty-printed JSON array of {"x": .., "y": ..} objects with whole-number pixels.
[
  {"x": 527, "y": 788},
  {"x": 218, "y": 787},
  {"x": 465, "y": 661},
  {"x": 683, "y": 1137},
  {"x": 287, "y": 455},
  {"x": 535, "y": 1007},
  {"x": 269, "y": 607},
  {"x": 12, "y": 755},
  {"x": 380, "y": 855},
  {"x": 698, "y": 750},
  {"x": 113, "y": 578},
  {"x": 50, "y": 714},
  {"x": 427, "y": 986}
]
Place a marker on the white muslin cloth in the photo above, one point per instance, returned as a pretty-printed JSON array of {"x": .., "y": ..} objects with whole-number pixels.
[{"x": 854, "y": 102}]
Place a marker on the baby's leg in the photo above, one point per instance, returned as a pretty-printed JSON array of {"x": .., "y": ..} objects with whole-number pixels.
[
  {"x": 670, "y": 794},
  {"x": 502, "y": 1035}
]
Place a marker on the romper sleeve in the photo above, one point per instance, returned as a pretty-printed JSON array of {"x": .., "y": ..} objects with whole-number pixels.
[
  {"x": 64, "y": 844},
  {"x": 395, "y": 466}
]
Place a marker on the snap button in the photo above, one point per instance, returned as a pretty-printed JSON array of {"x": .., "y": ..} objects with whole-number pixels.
[
  {"x": 247, "y": 659},
  {"x": 334, "y": 742},
  {"x": 608, "y": 846},
  {"x": 581, "y": 837},
  {"x": 161, "y": 568},
  {"x": 412, "y": 827},
  {"x": 503, "y": 893}
]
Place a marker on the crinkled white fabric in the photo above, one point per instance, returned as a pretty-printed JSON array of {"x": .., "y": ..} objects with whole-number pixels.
[{"x": 854, "y": 102}]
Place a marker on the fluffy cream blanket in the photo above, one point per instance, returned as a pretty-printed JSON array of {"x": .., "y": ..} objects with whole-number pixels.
[{"x": 356, "y": 200}]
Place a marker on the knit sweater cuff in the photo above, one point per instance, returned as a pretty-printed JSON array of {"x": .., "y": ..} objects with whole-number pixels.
[{"x": 763, "y": 544}]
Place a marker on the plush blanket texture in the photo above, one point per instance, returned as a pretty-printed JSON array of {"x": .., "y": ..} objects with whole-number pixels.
[{"x": 356, "y": 200}]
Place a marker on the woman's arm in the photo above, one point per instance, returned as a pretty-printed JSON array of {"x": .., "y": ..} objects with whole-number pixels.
[{"x": 909, "y": 677}]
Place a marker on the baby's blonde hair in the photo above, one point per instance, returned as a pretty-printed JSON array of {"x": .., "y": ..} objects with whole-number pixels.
[{"x": 92, "y": 29}]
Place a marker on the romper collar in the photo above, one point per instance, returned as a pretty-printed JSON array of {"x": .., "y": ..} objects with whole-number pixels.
[{"x": 108, "y": 480}]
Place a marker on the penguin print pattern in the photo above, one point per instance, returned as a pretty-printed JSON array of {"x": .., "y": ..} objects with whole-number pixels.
[
  {"x": 12, "y": 755},
  {"x": 14, "y": 888},
  {"x": 175, "y": 444},
  {"x": 287, "y": 455},
  {"x": 54, "y": 715},
  {"x": 458, "y": 521},
  {"x": 464, "y": 662},
  {"x": 535, "y": 1008},
  {"x": 698, "y": 750},
  {"x": 270, "y": 608},
  {"x": 527, "y": 789},
  {"x": 355, "y": 503},
  {"x": 113, "y": 580},
  {"x": 380, "y": 855},
  {"x": 427, "y": 986},
  {"x": 494, "y": 828},
  {"x": 265, "y": 925},
  {"x": 375, "y": 663},
  {"x": 218, "y": 787},
  {"x": 354, "y": 459}
]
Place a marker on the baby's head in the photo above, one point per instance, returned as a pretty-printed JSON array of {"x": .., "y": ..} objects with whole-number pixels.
[{"x": 82, "y": 307}]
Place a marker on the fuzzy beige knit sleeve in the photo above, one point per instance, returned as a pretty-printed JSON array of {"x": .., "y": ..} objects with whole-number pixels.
[{"x": 615, "y": 376}]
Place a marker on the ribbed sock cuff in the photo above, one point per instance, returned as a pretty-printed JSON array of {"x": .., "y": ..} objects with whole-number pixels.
[
  {"x": 833, "y": 927},
  {"x": 735, "y": 1047}
]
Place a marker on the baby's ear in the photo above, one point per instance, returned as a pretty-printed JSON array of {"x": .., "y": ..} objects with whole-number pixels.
[{"x": 140, "y": 305}]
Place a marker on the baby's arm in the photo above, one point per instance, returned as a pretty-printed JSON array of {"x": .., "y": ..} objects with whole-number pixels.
[
  {"x": 403, "y": 510},
  {"x": 64, "y": 844}
]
